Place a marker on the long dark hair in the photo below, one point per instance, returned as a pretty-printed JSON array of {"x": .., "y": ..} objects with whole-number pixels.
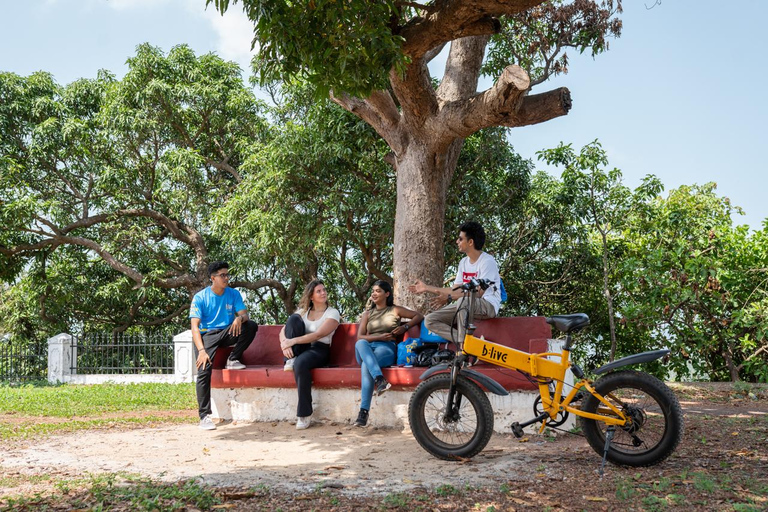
[
  {"x": 388, "y": 289},
  {"x": 305, "y": 303}
]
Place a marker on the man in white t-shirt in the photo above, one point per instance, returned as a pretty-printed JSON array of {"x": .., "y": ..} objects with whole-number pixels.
[{"x": 476, "y": 264}]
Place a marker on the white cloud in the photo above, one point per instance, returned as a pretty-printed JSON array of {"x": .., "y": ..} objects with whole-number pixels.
[
  {"x": 121, "y": 5},
  {"x": 233, "y": 29}
]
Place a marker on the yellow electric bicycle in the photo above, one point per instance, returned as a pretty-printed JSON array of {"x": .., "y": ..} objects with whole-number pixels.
[{"x": 629, "y": 417}]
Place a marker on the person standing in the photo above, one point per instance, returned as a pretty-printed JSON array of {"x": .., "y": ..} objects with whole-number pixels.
[
  {"x": 476, "y": 264},
  {"x": 219, "y": 318},
  {"x": 306, "y": 344},
  {"x": 376, "y": 348}
]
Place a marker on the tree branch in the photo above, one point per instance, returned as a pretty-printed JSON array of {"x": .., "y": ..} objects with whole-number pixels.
[
  {"x": 492, "y": 107},
  {"x": 378, "y": 110},
  {"x": 455, "y": 19},
  {"x": 539, "y": 108}
]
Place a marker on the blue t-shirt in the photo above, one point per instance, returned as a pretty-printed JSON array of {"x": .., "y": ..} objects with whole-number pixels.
[{"x": 216, "y": 311}]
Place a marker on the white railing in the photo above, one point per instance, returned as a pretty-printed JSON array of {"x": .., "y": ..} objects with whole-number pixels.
[{"x": 62, "y": 368}]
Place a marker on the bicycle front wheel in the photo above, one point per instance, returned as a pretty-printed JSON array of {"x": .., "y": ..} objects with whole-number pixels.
[
  {"x": 656, "y": 425},
  {"x": 461, "y": 432}
]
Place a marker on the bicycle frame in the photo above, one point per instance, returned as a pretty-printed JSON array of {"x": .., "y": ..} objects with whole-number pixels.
[
  {"x": 543, "y": 370},
  {"x": 540, "y": 368},
  {"x": 634, "y": 419}
]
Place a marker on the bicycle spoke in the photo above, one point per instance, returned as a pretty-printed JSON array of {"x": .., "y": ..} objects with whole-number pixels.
[
  {"x": 450, "y": 431},
  {"x": 648, "y": 423}
]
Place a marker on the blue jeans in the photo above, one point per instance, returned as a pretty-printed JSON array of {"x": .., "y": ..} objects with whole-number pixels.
[{"x": 372, "y": 357}]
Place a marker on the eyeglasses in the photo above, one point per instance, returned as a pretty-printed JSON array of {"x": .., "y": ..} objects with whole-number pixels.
[{"x": 223, "y": 276}]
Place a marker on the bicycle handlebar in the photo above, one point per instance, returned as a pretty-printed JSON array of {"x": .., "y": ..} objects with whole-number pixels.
[{"x": 473, "y": 284}]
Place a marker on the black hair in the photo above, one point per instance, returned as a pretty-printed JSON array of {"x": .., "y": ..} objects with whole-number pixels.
[
  {"x": 388, "y": 289},
  {"x": 475, "y": 232},
  {"x": 215, "y": 266}
]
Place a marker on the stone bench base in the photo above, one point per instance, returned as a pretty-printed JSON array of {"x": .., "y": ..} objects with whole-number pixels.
[
  {"x": 342, "y": 405},
  {"x": 401, "y": 378}
]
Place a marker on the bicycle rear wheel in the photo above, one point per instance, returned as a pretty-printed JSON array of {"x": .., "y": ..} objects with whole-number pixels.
[
  {"x": 657, "y": 419},
  {"x": 460, "y": 433}
]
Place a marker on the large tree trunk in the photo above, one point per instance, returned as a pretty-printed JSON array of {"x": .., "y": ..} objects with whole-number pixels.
[
  {"x": 423, "y": 176},
  {"x": 426, "y": 127}
]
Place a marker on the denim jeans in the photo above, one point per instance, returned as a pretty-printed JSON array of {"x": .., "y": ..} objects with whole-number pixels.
[{"x": 372, "y": 357}]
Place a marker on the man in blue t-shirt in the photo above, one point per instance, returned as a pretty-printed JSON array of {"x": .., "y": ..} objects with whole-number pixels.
[{"x": 218, "y": 318}]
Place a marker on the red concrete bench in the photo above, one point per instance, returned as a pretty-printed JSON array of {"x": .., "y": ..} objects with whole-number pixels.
[{"x": 264, "y": 359}]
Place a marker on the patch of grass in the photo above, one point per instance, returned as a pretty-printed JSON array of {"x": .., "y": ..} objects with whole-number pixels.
[
  {"x": 625, "y": 490},
  {"x": 742, "y": 388},
  {"x": 746, "y": 507},
  {"x": 446, "y": 490},
  {"x": 662, "y": 485},
  {"x": 397, "y": 499},
  {"x": 677, "y": 499},
  {"x": 105, "y": 492},
  {"x": 62, "y": 401},
  {"x": 10, "y": 431},
  {"x": 653, "y": 503},
  {"x": 704, "y": 482},
  {"x": 14, "y": 481}
]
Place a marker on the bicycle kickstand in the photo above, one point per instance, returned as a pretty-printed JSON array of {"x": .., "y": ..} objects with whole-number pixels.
[{"x": 608, "y": 438}]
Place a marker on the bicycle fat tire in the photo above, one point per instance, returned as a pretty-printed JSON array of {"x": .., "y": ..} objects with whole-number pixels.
[
  {"x": 450, "y": 440},
  {"x": 657, "y": 419}
]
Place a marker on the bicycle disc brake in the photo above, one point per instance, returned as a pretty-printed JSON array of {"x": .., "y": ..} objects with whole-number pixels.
[{"x": 538, "y": 410}]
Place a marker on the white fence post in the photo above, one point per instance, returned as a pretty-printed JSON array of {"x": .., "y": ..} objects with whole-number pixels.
[
  {"x": 184, "y": 368},
  {"x": 61, "y": 356},
  {"x": 557, "y": 346}
]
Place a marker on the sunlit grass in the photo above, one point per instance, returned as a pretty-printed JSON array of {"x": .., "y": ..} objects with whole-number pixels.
[
  {"x": 88, "y": 400},
  {"x": 70, "y": 408}
]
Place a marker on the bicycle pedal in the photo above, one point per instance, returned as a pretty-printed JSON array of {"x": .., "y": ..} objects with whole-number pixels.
[{"x": 517, "y": 430}]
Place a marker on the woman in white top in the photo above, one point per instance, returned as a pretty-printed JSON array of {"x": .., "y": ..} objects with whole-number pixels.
[{"x": 306, "y": 342}]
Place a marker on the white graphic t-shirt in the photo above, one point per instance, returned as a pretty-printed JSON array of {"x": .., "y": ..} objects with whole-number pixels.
[{"x": 484, "y": 268}]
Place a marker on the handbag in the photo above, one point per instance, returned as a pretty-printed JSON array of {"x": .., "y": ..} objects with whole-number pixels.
[{"x": 406, "y": 351}]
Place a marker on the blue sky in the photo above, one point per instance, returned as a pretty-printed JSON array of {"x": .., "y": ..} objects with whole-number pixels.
[{"x": 678, "y": 95}]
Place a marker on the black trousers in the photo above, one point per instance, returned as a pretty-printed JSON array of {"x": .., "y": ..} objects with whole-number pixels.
[
  {"x": 308, "y": 356},
  {"x": 212, "y": 340}
]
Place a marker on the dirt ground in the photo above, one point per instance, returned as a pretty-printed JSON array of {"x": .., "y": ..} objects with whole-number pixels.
[{"x": 271, "y": 465}]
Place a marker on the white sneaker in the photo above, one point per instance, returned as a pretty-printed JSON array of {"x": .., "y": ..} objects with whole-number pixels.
[
  {"x": 234, "y": 364},
  {"x": 207, "y": 423},
  {"x": 303, "y": 422},
  {"x": 289, "y": 365}
]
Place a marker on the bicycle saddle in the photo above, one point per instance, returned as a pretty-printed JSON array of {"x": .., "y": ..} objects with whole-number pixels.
[{"x": 568, "y": 323}]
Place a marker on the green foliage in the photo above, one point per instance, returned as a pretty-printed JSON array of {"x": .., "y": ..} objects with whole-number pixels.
[
  {"x": 107, "y": 188},
  {"x": 342, "y": 234},
  {"x": 115, "y": 194},
  {"x": 536, "y": 39},
  {"x": 703, "y": 288},
  {"x": 352, "y": 46}
]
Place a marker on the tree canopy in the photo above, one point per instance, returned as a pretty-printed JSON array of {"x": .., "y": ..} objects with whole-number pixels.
[
  {"x": 117, "y": 193},
  {"x": 373, "y": 57}
]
